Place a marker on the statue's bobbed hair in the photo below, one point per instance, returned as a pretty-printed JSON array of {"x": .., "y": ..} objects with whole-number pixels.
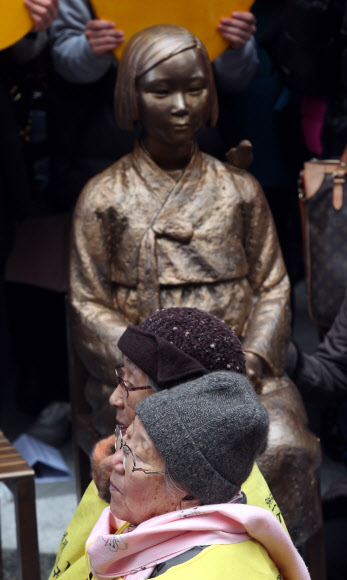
[{"x": 144, "y": 51}]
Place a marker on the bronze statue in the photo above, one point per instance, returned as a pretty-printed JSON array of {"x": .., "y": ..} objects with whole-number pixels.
[{"x": 167, "y": 226}]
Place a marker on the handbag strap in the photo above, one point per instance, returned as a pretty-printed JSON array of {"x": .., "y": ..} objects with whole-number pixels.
[
  {"x": 344, "y": 156},
  {"x": 339, "y": 180}
]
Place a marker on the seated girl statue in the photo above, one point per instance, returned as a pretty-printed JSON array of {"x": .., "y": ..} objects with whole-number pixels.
[
  {"x": 176, "y": 507},
  {"x": 170, "y": 226}
]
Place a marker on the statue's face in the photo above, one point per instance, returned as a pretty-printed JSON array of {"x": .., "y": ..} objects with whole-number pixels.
[{"x": 173, "y": 99}]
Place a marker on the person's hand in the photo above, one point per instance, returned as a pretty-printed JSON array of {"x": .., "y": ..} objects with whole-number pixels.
[
  {"x": 255, "y": 370},
  {"x": 103, "y": 36},
  {"x": 43, "y": 12},
  {"x": 238, "y": 29},
  {"x": 101, "y": 466}
]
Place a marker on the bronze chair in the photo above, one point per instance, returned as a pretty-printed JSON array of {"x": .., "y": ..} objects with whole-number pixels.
[{"x": 84, "y": 435}]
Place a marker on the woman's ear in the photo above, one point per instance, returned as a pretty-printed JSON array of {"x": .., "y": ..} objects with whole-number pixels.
[{"x": 188, "y": 501}]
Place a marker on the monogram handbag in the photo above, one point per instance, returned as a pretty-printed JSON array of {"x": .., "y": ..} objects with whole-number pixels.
[{"x": 323, "y": 205}]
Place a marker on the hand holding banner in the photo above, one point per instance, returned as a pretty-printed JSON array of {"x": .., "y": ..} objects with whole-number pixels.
[{"x": 200, "y": 17}]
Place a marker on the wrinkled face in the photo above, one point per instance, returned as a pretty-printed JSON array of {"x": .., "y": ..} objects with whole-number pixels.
[
  {"x": 173, "y": 99},
  {"x": 137, "y": 496},
  {"x": 125, "y": 406}
]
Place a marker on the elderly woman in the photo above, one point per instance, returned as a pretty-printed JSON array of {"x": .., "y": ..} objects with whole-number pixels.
[
  {"x": 167, "y": 348},
  {"x": 176, "y": 506}
]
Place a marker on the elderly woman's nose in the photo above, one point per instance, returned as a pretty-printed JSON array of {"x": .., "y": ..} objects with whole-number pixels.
[
  {"x": 116, "y": 462},
  {"x": 117, "y": 399}
]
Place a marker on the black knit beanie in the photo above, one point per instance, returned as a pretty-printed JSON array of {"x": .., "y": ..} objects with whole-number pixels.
[
  {"x": 209, "y": 432},
  {"x": 196, "y": 333}
]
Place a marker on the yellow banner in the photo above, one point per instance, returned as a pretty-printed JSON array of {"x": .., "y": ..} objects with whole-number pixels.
[
  {"x": 15, "y": 22},
  {"x": 200, "y": 17}
]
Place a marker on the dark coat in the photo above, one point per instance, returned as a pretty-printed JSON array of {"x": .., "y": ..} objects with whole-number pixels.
[
  {"x": 310, "y": 52},
  {"x": 84, "y": 137},
  {"x": 322, "y": 376},
  {"x": 14, "y": 181}
]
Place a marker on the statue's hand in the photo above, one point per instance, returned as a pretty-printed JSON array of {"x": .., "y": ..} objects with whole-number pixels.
[
  {"x": 103, "y": 36},
  {"x": 238, "y": 29},
  {"x": 101, "y": 466},
  {"x": 255, "y": 370},
  {"x": 43, "y": 12}
]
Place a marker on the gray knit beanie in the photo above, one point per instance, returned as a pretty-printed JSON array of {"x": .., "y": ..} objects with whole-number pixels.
[{"x": 209, "y": 432}]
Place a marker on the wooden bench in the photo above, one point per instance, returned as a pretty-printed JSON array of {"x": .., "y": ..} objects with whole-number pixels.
[{"x": 19, "y": 477}]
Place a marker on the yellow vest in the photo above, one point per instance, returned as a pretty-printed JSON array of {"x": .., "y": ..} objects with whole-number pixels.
[
  {"x": 243, "y": 561},
  {"x": 259, "y": 494},
  {"x": 71, "y": 563}
]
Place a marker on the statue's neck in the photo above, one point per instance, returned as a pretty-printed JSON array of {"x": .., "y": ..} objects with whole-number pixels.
[{"x": 167, "y": 157}]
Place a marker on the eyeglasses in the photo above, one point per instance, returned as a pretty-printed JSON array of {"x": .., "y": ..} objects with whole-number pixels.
[
  {"x": 129, "y": 463},
  {"x": 125, "y": 385}
]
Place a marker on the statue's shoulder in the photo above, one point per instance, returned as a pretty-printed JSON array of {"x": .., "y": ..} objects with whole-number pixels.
[
  {"x": 241, "y": 179},
  {"x": 106, "y": 187}
]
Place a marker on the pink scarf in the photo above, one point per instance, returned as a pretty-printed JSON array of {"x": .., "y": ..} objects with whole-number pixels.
[{"x": 135, "y": 552}]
